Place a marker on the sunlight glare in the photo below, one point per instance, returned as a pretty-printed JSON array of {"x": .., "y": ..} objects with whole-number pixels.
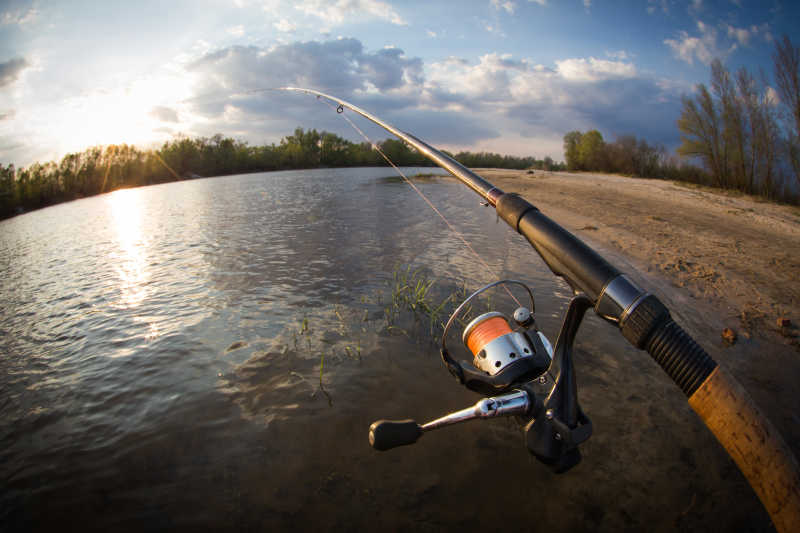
[
  {"x": 129, "y": 257},
  {"x": 121, "y": 115}
]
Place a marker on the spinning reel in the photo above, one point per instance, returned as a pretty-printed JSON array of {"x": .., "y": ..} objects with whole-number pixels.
[{"x": 518, "y": 364}]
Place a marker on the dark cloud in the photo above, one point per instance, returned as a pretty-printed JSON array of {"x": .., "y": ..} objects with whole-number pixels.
[
  {"x": 11, "y": 69},
  {"x": 443, "y": 126},
  {"x": 462, "y": 104},
  {"x": 340, "y": 67},
  {"x": 386, "y": 69},
  {"x": 164, "y": 114},
  {"x": 634, "y": 107}
]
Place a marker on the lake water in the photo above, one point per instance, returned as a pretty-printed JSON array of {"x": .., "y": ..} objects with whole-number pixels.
[{"x": 160, "y": 369}]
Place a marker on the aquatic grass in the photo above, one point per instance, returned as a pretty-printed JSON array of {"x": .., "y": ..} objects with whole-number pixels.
[
  {"x": 413, "y": 305},
  {"x": 306, "y": 332}
]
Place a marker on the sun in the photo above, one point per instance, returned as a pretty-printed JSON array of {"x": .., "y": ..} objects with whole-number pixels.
[{"x": 119, "y": 115}]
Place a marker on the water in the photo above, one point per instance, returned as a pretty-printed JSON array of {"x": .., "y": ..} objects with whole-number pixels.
[{"x": 156, "y": 373}]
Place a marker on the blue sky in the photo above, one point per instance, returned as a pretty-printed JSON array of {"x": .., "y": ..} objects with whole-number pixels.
[{"x": 510, "y": 76}]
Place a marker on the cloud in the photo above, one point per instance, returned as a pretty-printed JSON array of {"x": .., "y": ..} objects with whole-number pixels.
[
  {"x": 704, "y": 47},
  {"x": 655, "y": 5},
  {"x": 19, "y": 17},
  {"x": 444, "y": 127},
  {"x": 453, "y": 102},
  {"x": 340, "y": 66},
  {"x": 743, "y": 35},
  {"x": 771, "y": 97},
  {"x": 335, "y": 11},
  {"x": 11, "y": 69},
  {"x": 237, "y": 31},
  {"x": 618, "y": 54},
  {"x": 164, "y": 114},
  {"x": 591, "y": 69},
  {"x": 508, "y": 6},
  {"x": 8, "y": 115},
  {"x": 540, "y": 2},
  {"x": 494, "y": 28},
  {"x": 535, "y": 101},
  {"x": 285, "y": 26}
]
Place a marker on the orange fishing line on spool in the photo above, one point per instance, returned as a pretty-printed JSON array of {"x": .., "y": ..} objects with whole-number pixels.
[{"x": 485, "y": 332}]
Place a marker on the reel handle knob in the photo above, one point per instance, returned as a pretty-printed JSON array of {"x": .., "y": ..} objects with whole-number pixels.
[{"x": 388, "y": 434}]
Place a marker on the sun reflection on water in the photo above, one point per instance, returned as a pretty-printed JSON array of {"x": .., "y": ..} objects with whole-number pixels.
[{"x": 129, "y": 256}]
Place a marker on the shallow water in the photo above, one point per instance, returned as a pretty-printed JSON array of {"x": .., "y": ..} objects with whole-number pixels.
[{"x": 156, "y": 372}]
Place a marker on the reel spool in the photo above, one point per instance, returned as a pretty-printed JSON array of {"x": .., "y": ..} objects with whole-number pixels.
[
  {"x": 494, "y": 345},
  {"x": 502, "y": 356}
]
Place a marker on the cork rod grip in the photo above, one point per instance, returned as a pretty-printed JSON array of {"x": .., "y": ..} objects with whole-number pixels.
[{"x": 754, "y": 444}]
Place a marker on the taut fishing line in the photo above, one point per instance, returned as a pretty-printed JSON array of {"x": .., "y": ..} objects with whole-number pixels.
[{"x": 340, "y": 110}]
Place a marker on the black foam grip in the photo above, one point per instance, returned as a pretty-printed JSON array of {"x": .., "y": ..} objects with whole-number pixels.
[
  {"x": 650, "y": 327},
  {"x": 564, "y": 253},
  {"x": 388, "y": 434},
  {"x": 644, "y": 318}
]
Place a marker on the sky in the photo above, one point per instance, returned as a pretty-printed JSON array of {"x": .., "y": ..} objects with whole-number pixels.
[{"x": 508, "y": 76}]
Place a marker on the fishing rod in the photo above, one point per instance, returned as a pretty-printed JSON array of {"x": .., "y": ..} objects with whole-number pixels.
[{"x": 536, "y": 382}]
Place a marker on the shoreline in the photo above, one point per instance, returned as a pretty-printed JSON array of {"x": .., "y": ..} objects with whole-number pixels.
[
  {"x": 716, "y": 260},
  {"x": 735, "y": 252}
]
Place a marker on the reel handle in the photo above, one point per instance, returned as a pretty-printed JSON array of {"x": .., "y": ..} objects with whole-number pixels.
[{"x": 387, "y": 434}]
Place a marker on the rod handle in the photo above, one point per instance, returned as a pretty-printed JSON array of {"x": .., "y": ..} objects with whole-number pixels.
[
  {"x": 388, "y": 434},
  {"x": 754, "y": 444}
]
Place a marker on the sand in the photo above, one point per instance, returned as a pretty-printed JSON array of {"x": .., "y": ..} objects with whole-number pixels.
[
  {"x": 738, "y": 254},
  {"x": 717, "y": 260}
]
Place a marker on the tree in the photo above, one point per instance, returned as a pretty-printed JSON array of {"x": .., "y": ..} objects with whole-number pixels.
[
  {"x": 572, "y": 141},
  {"x": 787, "y": 77},
  {"x": 699, "y": 125},
  {"x": 591, "y": 151},
  {"x": 734, "y": 143}
]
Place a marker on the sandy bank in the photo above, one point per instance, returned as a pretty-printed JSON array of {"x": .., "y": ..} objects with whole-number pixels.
[
  {"x": 717, "y": 260},
  {"x": 738, "y": 253}
]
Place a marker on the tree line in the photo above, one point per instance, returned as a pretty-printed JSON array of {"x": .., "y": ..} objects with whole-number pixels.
[
  {"x": 740, "y": 134},
  {"x": 106, "y": 168}
]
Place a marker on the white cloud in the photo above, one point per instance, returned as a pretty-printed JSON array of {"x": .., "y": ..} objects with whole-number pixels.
[
  {"x": 494, "y": 28},
  {"x": 618, "y": 54},
  {"x": 771, "y": 97},
  {"x": 164, "y": 114},
  {"x": 285, "y": 26},
  {"x": 237, "y": 31},
  {"x": 431, "y": 33},
  {"x": 508, "y": 6},
  {"x": 743, "y": 35},
  {"x": 20, "y": 17},
  {"x": 590, "y": 70},
  {"x": 540, "y": 2},
  {"x": 532, "y": 100},
  {"x": 335, "y": 11},
  {"x": 655, "y": 5},
  {"x": 704, "y": 47}
]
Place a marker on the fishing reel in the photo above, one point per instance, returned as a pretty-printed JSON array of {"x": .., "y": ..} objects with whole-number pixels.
[{"x": 531, "y": 380}]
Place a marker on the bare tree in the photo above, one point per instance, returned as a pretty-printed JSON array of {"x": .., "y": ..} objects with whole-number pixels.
[
  {"x": 701, "y": 137},
  {"x": 787, "y": 76},
  {"x": 764, "y": 135}
]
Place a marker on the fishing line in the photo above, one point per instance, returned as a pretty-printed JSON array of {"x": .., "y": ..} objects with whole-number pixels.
[{"x": 340, "y": 111}]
